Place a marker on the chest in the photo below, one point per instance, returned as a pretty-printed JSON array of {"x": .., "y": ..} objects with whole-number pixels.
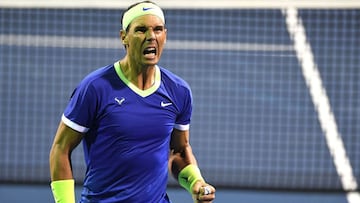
[{"x": 129, "y": 116}]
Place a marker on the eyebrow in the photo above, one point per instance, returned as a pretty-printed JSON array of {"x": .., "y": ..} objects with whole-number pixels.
[
  {"x": 140, "y": 26},
  {"x": 143, "y": 25}
]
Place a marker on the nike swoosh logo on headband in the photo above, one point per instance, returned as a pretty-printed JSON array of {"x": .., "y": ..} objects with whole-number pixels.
[{"x": 146, "y": 9}]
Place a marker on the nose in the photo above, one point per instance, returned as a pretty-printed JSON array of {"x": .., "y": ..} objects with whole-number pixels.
[{"x": 150, "y": 35}]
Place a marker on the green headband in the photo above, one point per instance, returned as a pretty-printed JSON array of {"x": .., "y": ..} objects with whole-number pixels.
[{"x": 140, "y": 10}]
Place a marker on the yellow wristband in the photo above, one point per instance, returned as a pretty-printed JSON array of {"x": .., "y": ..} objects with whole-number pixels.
[
  {"x": 63, "y": 191},
  {"x": 188, "y": 176}
]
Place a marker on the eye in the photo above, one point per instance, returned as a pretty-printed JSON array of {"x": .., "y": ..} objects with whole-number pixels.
[
  {"x": 159, "y": 29},
  {"x": 140, "y": 29}
]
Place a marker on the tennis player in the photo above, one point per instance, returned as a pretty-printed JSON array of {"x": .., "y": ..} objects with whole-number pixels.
[{"x": 133, "y": 117}]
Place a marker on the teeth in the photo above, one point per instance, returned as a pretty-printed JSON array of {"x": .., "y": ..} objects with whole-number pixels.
[{"x": 150, "y": 51}]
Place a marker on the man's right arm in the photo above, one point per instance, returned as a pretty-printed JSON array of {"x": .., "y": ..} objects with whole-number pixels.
[{"x": 62, "y": 181}]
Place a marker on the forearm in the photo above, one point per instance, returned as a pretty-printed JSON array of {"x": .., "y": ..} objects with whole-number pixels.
[
  {"x": 60, "y": 164},
  {"x": 62, "y": 182},
  {"x": 180, "y": 159},
  {"x": 183, "y": 166}
]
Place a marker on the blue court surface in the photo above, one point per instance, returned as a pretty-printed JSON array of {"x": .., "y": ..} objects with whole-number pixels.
[{"x": 42, "y": 193}]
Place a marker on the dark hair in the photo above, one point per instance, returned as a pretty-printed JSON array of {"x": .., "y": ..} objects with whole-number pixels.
[{"x": 131, "y": 6}]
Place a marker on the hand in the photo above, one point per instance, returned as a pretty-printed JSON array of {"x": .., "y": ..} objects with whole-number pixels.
[{"x": 203, "y": 192}]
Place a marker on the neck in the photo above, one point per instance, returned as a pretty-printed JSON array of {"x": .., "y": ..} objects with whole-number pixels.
[{"x": 143, "y": 77}]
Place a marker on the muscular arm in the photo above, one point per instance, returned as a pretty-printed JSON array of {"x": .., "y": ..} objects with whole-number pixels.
[
  {"x": 181, "y": 152},
  {"x": 66, "y": 139},
  {"x": 182, "y": 156}
]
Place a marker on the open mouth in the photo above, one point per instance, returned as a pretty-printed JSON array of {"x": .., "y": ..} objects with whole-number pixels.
[{"x": 150, "y": 52}]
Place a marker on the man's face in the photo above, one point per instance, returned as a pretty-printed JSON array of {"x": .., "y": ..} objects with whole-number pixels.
[{"x": 145, "y": 40}]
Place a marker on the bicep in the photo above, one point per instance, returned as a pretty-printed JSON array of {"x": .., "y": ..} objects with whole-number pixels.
[
  {"x": 179, "y": 140},
  {"x": 66, "y": 138}
]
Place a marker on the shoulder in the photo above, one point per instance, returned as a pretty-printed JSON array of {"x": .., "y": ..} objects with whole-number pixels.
[
  {"x": 95, "y": 81},
  {"x": 99, "y": 74},
  {"x": 169, "y": 77},
  {"x": 99, "y": 77}
]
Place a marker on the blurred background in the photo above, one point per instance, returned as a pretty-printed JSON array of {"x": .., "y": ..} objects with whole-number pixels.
[{"x": 275, "y": 84}]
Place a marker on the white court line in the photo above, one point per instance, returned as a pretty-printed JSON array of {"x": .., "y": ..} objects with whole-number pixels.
[
  {"x": 114, "y": 43},
  {"x": 322, "y": 105}
]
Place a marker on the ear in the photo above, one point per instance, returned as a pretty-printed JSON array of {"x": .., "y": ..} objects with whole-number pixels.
[
  {"x": 123, "y": 37},
  {"x": 165, "y": 35}
]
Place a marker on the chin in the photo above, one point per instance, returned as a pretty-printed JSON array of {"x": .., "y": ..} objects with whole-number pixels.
[{"x": 151, "y": 62}]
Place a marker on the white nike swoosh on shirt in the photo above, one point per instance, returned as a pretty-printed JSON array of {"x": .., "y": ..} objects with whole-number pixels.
[{"x": 163, "y": 104}]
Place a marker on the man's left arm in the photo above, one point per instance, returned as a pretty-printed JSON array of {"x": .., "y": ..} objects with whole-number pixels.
[{"x": 184, "y": 168}]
